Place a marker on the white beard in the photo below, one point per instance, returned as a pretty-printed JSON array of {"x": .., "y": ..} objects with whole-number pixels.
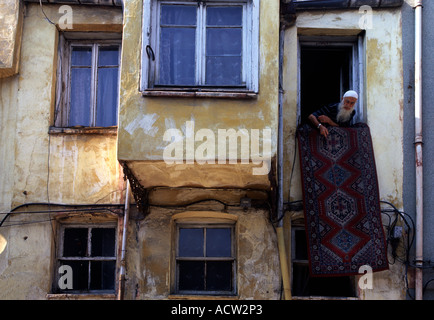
[{"x": 343, "y": 114}]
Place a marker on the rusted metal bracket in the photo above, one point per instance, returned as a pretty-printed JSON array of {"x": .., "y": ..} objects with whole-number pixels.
[{"x": 140, "y": 193}]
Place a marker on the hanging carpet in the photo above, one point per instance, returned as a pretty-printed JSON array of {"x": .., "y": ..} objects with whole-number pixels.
[{"x": 341, "y": 201}]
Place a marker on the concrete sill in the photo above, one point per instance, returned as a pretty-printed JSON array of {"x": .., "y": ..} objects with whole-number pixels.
[
  {"x": 78, "y": 296},
  {"x": 83, "y": 130},
  {"x": 200, "y": 94}
]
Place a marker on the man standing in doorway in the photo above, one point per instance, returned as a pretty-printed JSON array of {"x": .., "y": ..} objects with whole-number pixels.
[{"x": 336, "y": 115}]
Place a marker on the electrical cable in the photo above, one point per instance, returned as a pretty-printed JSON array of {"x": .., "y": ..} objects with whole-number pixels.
[
  {"x": 83, "y": 207},
  {"x": 409, "y": 243},
  {"x": 42, "y": 9}
]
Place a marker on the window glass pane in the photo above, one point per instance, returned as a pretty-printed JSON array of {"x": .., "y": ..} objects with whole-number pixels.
[
  {"x": 219, "y": 276},
  {"x": 218, "y": 242},
  {"x": 223, "y": 41},
  {"x": 103, "y": 242},
  {"x": 224, "y": 16},
  {"x": 108, "y": 56},
  {"x": 223, "y": 71},
  {"x": 81, "y": 56},
  {"x": 80, "y": 271},
  {"x": 224, "y": 56},
  {"x": 178, "y": 15},
  {"x": 190, "y": 242},
  {"x": 191, "y": 275},
  {"x": 177, "y": 56},
  {"x": 107, "y": 97},
  {"x": 300, "y": 245},
  {"x": 79, "y": 113},
  {"x": 102, "y": 275},
  {"x": 75, "y": 242}
]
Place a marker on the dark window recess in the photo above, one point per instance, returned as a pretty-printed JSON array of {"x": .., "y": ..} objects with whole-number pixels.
[
  {"x": 305, "y": 285},
  {"x": 103, "y": 242},
  {"x": 80, "y": 274},
  {"x": 102, "y": 275},
  {"x": 75, "y": 242},
  {"x": 300, "y": 245},
  {"x": 91, "y": 254},
  {"x": 191, "y": 275},
  {"x": 325, "y": 74},
  {"x": 219, "y": 275}
]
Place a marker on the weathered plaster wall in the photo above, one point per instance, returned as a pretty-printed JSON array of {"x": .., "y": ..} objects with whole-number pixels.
[
  {"x": 383, "y": 109},
  {"x": 143, "y": 121},
  {"x": 59, "y": 168},
  {"x": 25, "y": 262}
]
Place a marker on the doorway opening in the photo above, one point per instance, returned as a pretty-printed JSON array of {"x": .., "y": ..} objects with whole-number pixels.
[{"x": 328, "y": 67}]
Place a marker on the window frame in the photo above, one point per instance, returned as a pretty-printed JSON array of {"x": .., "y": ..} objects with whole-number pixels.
[
  {"x": 63, "y": 92},
  {"x": 250, "y": 51},
  {"x": 60, "y": 258},
  {"x": 233, "y": 259}
]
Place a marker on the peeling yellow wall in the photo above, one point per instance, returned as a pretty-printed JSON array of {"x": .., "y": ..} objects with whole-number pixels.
[
  {"x": 383, "y": 109},
  {"x": 143, "y": 120},
  {"x": 77, "y": 168}
]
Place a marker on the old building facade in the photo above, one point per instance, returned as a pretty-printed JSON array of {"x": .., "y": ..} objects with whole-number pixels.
[{"x": 149, "y": 146}]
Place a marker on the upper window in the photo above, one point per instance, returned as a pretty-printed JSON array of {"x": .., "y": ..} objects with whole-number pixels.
[
  {"x": 90, "y": 84},
  {"x": 206, "y": 44}
]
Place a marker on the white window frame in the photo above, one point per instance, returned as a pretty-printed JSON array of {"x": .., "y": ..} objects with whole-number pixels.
[
  {"x": 63, "y": 99},
  {"x": 250, "y": 69}
]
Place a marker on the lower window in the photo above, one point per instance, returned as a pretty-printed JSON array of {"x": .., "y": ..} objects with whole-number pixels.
[
  {"x": 86, "y": 259},
  {"x": 205, "y": 262}
]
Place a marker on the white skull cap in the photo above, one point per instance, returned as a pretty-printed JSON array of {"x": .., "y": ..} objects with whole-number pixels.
[{"x": 351, "y": 93}]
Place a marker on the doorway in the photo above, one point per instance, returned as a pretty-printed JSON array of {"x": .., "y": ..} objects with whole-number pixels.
[{"x": 329, "y": 66}]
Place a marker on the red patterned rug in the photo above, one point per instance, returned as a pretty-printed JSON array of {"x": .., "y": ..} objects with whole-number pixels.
[{"x": 341, "y": 201}]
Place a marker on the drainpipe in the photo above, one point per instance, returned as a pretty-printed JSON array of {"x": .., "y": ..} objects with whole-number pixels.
[
  {"x": 122, "y": 271},
  {"x": 418, "y": 150},
  {"x": 280, "y": 235}
]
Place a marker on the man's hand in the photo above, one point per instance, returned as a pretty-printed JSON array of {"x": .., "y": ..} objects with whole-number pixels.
[
  {"x": 326, "y": 119},
  {"x": 323, "y": 131},
  {"x": 318, "y": 123}
]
